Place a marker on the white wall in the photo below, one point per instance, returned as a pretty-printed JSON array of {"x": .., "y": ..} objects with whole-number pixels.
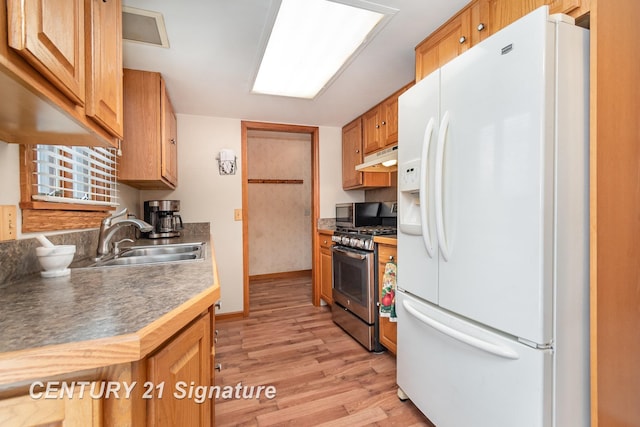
[
  {"x": 206, "y": 196},
  {"x": 331, "y": 191},
  {"x": 9, "y": 174}
]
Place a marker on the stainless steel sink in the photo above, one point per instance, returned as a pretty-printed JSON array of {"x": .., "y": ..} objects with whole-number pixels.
[
  {"x": 161, "y": 250},
  {"x": 138, "y": 255}
]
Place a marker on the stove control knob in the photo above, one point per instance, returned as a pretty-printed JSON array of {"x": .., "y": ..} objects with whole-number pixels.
[
  {"x": 353, "y": 242},
  {"x": 345, "y": 240},
  {"x": 336, "y": 239},
  {"x": 360, "y": 243},
  {"x": 369, "y": 245}
]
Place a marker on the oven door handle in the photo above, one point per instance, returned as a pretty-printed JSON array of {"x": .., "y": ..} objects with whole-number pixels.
[{"x": 350, "y": 254}]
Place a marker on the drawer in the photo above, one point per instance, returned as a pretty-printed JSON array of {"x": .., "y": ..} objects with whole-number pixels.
[{"x": 324, "y": 239}]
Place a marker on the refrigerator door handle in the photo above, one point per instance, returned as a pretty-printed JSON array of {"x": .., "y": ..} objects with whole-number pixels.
[
  {"x": 439, "y": 178},
  {"x": 495, "y": 349},
  {"x": 426, "y": 143}
]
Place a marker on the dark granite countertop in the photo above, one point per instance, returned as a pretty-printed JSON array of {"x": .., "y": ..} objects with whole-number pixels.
[{"x": 95, "y": 303}]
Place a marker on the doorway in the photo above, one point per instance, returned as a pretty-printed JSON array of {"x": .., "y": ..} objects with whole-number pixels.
[{"x": 269, "y": 183}]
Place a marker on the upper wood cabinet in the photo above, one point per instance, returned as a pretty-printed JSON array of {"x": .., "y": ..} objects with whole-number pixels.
[
  {"x": 352, "y": 155},
  {"x": 60, "y": 64},
  {"x": 50, "y": 36},
  {"x": 169, "y": 139},
  {"x": 104, "y": 71},
  {"x": 149, "y": 149},
  {"x": 449, "y": 41},
  {"x": 477, "y": 21},
  {"x": 380, "y": 124},
  {"x": 373, "y": 135},
  {"x": 575, "y": 8}
]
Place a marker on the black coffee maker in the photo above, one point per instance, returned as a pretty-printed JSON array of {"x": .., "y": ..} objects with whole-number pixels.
[{"x": 162, "y": 214}]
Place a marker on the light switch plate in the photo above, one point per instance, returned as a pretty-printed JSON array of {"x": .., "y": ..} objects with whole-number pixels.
[
  {"x": 8, "y": 222},
  {"x": 237, "y": 214}
]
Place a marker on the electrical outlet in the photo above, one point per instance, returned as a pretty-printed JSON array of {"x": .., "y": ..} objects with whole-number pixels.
[
  {"x": 237, "y": 214},
  {"x": 8, "y": 222}
]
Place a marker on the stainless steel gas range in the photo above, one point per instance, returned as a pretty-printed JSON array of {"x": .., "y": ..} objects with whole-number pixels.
[{"x": 355, "y": 289}]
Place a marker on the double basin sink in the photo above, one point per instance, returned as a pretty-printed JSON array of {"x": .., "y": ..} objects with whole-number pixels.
[{"x": 138, "y": 255}]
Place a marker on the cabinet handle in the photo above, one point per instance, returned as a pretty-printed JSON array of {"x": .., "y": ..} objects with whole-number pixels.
[
  {"x": 384, "y": 123},
  {"x": 325, "y": 242},
  {"x": 218, "y": 304},
  {"x": 173, "y": 141},
  {"x": 357, "y": 151},
  {"x": 218, "y": 367},
  {"x": 462, "y": 39},
  {"x": 481, "y": 26},
  {"x": 377, "y": 126},
  {"x": 391, "y": 257}
]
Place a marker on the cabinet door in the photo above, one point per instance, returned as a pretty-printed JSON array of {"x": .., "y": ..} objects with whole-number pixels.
[
  {"x": 104, "y": 67},
  {"x": 390, "y": 117},
  {"x": 446, "y": 43},
  {"x": 371, "y": 130},
  {"x": 169, "y": 139},
  {"x": 503, "y": 12},
  {"x": 563, "y": 6},
  {"x": 72, "y": 411},
  {"x": 214, "y": 367},
  {"x": 140, "y": 149},
  {"x": 351, "y": 154},
  {"x": 185, "y": 359},
  {"x": 326, "y": 277},
  {"x": 388, "y": 330},
  {"x": 390, "y": 121},
  {"x": 50, "y": 36}
]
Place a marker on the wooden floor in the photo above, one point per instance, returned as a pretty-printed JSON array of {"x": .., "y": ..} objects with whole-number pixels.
[{"x": 322, "y": 376}]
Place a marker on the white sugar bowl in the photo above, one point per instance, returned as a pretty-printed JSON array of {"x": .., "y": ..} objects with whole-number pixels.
[{"x": 55, "y": 260}]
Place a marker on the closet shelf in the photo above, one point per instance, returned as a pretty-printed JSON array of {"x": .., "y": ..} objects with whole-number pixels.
[{"x": 275, "y": 181}]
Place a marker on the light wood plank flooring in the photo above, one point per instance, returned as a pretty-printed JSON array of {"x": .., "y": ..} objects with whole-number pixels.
[{"x": 321, "y": 374}]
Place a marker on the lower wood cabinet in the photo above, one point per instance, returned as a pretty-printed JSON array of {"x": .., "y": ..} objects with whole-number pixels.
[
  {"x": 182, "y": 363},
  {"x": 161, "y": 388},
  {"x": 324, "y": 275},
  {"x": 68, "y": 411},
  {"x": 388, "y": 330}
]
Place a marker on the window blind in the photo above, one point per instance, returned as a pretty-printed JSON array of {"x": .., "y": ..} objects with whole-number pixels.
[{"x": 85, "y": 175}]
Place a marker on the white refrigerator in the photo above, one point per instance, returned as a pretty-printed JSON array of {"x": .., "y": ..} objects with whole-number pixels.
[{"x": 493, "y": 232}]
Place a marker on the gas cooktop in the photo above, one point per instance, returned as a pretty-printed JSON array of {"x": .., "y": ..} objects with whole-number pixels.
[{"x": 372, "y": 230}]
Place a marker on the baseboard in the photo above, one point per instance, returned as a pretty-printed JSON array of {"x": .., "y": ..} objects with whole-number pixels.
[
  {"x": 283, "y": 275},
  {"x": 229, "y": 316}
]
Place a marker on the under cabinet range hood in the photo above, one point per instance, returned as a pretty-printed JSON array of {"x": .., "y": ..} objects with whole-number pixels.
[{"x": 381, "y": 161}]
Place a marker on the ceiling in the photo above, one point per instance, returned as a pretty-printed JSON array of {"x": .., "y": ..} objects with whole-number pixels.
[{"x": 215, "y": 47}]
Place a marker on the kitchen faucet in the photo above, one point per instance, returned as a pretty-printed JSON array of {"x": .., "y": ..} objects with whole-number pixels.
[{"x": 109, "y": 228}]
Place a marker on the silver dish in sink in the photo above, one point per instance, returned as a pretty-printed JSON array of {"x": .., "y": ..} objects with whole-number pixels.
[{"x": 139, "y": 255}]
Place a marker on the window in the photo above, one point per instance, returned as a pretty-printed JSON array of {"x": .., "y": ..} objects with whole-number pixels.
[{"x": 66, "y": 187}]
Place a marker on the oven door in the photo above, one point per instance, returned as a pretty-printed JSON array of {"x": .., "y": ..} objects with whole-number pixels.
[{"x": 353, "y": 281}]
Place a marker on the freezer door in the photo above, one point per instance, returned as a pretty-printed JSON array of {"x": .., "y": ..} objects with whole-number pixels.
[
  {"x": 459, "y": 374},
  {"x": 418, "y": 117},
  {"x": 496, "y": 159}
]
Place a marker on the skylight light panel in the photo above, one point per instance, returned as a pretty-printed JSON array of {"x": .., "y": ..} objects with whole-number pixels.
[{"x": 310, "y": 42}]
